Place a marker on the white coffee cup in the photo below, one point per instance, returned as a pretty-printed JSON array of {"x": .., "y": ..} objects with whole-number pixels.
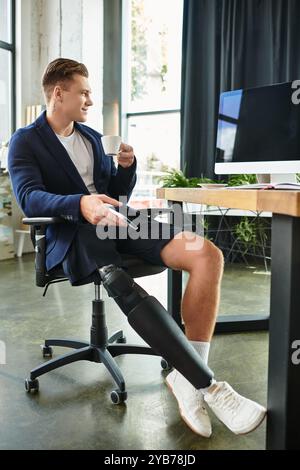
[{"x": 111, "y": 144}]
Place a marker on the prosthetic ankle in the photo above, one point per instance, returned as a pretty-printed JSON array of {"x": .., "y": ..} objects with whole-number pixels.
[{"x": 155, "y": 325}]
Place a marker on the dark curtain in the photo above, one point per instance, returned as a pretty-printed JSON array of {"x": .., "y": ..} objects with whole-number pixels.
[{"x": 227, "y": 45}]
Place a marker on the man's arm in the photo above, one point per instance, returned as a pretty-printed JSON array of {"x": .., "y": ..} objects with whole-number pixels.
[
  {"x": 29, "y": 188},
  {"x": 35, "y": 201}
]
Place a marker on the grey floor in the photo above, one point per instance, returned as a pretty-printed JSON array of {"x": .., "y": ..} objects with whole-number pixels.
[{"x": 73, "y": 409}]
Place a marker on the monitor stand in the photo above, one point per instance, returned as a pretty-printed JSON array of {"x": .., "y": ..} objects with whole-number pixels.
[{"x": 277, "y": 178}]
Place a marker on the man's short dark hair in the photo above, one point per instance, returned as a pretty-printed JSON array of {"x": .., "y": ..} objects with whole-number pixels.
[{"x": 60, "y": 72}]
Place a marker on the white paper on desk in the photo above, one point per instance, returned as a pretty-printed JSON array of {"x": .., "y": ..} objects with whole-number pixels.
[{"x": 288, "y": 186}]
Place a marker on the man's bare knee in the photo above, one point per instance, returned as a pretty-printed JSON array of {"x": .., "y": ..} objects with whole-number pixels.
[{"x": 211, "y": 255}]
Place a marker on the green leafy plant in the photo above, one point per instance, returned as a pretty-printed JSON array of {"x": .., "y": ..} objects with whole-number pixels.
[
  {"x": 238, "y": 180},
  {"x": 245, "y": 232},
  {"x": 250, "y": 233},
  {"x": 176, "y": 179}
]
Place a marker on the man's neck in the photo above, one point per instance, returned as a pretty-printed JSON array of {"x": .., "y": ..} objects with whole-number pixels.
[{"x": 60, "y": 125}]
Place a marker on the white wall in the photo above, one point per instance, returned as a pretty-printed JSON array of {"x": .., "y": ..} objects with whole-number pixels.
[{"x": 47, "y": 29}]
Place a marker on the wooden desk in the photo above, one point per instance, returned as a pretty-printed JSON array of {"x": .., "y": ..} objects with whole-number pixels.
[
  {"x": 279, "y": 202},
  {"x": 284, "y": 339}
]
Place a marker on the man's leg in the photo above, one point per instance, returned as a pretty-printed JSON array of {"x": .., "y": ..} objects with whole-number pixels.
[{"x": 204, "y": 263}]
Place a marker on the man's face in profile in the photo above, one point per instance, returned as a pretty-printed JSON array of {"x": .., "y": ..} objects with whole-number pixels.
[{"x": 75, "y": 99}]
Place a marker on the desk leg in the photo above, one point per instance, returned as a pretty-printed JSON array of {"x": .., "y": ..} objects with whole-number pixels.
[{"x": 284, "y": 354}]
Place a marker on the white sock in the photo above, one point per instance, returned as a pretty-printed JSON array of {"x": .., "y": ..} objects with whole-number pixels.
[
  {"x": 206, "y": 389},
  {"x": 202, "y": 349}
]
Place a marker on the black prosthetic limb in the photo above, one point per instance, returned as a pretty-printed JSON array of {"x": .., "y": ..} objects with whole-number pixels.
[{"x": 154, "y": 324}]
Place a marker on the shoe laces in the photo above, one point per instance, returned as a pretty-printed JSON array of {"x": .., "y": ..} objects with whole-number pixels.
[{"x": 227, "y": 400}]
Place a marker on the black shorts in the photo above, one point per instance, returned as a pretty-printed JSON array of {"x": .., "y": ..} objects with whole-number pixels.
[{"x": 88, "y": 252}]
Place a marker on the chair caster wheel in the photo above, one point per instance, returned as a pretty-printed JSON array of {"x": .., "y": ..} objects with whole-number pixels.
[
  {"x": 31, "y": 385},
  {"x": 118, "y": 397},
  {"x": 47, "y": 351},
  {"x": 165, "y": 365},
  {"x": 122, "y": 340}
]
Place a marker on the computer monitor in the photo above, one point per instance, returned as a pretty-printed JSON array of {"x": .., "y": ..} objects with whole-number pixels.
[{"x": 259, "y": 132}]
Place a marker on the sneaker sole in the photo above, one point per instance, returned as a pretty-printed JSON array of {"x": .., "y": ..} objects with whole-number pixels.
[
  {"x": 244, "y": 433},
  {"x": 182, "y": 415},
  {"x": 253, "y": 429}
]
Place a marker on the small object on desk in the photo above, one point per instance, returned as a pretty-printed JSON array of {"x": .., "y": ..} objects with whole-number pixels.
[{"x": 212, "y": 185}]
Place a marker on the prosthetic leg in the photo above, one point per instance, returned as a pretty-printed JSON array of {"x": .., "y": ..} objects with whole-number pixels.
[{"x": 154, "y": 324}]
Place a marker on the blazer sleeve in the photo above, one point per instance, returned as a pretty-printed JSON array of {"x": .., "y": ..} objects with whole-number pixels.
[
  {"x": 122, "y": 180},
  {"x": 29, "y": 189}
]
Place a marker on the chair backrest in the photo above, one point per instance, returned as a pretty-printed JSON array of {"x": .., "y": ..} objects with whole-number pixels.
[{"x": 38, "y": 238}]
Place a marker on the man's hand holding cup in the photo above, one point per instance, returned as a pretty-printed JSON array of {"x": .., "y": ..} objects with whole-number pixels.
[{"x": 113, "y": 146}]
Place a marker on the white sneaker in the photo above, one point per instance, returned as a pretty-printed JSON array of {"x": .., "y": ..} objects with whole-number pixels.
[
  {"x": 191, "y": 404},
  {"x": 238, "y": 413}
]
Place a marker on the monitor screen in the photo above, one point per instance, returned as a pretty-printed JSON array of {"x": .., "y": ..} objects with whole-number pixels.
[{"x": 259, "y": 131}]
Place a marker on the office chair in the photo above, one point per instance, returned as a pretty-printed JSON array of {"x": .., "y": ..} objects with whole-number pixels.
[{"x": 101, "y": 348}]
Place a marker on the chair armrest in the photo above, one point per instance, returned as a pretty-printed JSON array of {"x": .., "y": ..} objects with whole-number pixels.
[{"x": 42, "y": 220}]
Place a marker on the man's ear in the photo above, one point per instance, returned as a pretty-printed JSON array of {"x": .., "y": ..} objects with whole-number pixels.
[{"x": 57, "y": 93}]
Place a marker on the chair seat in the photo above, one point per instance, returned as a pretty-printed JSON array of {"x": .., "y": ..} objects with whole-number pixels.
[{"x": 137, "y": 267}]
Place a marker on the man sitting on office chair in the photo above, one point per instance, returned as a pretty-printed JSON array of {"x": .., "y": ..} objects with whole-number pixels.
[{"x": 58, "y": 168}]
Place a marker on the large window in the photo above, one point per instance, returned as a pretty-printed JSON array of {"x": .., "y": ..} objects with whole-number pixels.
[
  {"x": 151, "y": 87},
  {"x": 7, "y": 51}
]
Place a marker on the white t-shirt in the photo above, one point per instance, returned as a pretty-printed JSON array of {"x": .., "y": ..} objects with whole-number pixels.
[{"x": 81, "y": 153}]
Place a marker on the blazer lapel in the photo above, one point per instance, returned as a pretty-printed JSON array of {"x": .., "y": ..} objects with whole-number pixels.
[{"x": 58, "y": 151}]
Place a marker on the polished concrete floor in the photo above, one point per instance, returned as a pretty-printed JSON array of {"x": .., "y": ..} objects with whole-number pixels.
[{"x": 73, "y": 409}]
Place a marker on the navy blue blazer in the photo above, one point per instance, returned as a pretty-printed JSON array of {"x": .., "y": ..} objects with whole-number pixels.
[{"x": 46, "y": 183}]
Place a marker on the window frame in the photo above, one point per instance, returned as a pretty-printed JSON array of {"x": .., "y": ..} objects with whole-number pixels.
[{"x": 11, "y": 47}]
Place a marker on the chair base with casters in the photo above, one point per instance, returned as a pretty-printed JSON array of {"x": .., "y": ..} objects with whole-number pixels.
[{"x": 101, "y": 348}]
